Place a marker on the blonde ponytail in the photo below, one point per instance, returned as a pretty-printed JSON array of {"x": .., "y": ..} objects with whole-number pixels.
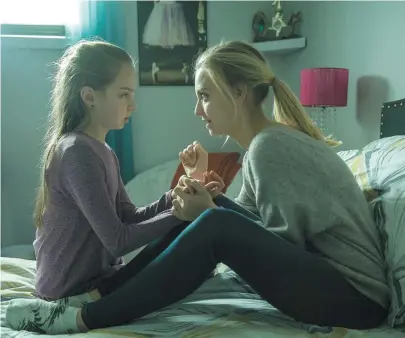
[
  {"x": 289, "y": 111},
  {"x": 235, "y": 62}
]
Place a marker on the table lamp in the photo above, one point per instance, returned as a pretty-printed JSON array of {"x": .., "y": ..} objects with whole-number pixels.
[{"x": 324, "y": 89}]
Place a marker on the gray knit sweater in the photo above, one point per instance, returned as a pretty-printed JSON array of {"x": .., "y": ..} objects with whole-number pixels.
[{"x": 301, "y": 190}]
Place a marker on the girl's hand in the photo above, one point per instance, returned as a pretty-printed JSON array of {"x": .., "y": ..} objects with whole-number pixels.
[
  {"x": 182, "y": 185},
  {"x": 195, "y": 160},
  {"x": 188, "y": 207},
  {"x": 213, "y": 183}
]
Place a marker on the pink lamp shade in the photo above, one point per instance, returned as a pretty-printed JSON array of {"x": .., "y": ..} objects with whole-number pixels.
[{"x": 324, "y": 87}]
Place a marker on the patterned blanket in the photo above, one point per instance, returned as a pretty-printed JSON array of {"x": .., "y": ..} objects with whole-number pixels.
[{"x": 223, "y": 307}]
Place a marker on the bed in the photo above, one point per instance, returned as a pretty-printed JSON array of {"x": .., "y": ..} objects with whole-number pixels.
[{"x": 224, "y": 305}]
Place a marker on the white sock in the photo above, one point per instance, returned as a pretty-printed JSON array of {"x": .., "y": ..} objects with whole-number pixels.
[
  {"x": 76, "y": 301},
  {"x": 37, "y": 315}
]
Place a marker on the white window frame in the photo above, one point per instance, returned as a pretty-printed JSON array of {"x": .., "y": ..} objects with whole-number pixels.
[
  {"x": 33, "y": 36},
  {"x": 33, "y": 30}
]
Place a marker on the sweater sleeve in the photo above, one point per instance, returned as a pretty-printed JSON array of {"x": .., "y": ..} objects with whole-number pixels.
[
  {"x": 83, "y": 176},
  {"x": 149, "y": 213}
]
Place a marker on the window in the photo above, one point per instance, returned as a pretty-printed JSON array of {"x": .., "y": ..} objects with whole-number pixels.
[{"x": 37, "y": 17}]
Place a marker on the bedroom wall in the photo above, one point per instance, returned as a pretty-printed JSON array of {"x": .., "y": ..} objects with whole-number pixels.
[
  {"x": 163, "y": 125},
  {"x": 24, "y": 96},
  {"x": 367, "y": 38}
]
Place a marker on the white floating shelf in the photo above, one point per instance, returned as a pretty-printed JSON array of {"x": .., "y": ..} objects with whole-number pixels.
[{"x": 281, "y": 46}]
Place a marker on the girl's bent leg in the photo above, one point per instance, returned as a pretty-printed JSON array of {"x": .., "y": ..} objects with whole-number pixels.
[
  {"x": 128, "y": 271},
  {"x": 138, "y": 263}
]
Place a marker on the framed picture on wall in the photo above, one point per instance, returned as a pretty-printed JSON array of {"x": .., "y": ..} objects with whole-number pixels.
[{"x": 171, "y": 34}]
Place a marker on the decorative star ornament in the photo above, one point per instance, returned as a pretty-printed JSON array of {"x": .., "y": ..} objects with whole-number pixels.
[{"x": 277, "y": 23}]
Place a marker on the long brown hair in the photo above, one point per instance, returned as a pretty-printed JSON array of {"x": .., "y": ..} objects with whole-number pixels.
[
  {"x": 235, "y": 62},
  {"x": 87, "y": 63}
]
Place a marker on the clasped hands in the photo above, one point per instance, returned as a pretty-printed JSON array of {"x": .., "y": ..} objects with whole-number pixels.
[{"x": 195, "y": 191}]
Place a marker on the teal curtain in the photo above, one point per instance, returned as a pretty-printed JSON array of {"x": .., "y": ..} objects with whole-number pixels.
[{"x": 106, "y": 20}]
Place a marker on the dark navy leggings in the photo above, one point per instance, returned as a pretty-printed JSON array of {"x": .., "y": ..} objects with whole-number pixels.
[{"x": 298, "y": 283}]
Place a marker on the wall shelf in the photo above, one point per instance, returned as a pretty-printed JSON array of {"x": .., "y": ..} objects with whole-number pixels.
[{"x": 281, "y": 46}]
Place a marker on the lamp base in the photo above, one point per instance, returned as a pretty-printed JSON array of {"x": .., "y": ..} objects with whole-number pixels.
[{"x": 325, "y": 119}]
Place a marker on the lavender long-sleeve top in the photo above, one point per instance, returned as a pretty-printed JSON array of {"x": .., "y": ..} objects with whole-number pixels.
[{"x": 90, "y": 222}]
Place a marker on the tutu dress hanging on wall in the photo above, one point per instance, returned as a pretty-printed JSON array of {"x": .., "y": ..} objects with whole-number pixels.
[{"x": 167, "y": 26}]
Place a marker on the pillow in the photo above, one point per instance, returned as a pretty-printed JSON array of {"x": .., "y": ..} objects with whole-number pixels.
[
  {"x": 224, "y": 164},
  {"x": 386, "y": 143},
  {"x": 147, "y": 186},
  {"x": 380, "y": 171},
  {"x": 349, "y": 155},
  {"x": 358, "y": 162}
]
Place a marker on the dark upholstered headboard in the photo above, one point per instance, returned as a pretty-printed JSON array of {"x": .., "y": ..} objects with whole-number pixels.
[{"x": 392, "y": 118}]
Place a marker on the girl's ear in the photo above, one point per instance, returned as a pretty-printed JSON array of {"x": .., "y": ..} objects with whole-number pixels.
[{"x": 88, "y": 97}]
